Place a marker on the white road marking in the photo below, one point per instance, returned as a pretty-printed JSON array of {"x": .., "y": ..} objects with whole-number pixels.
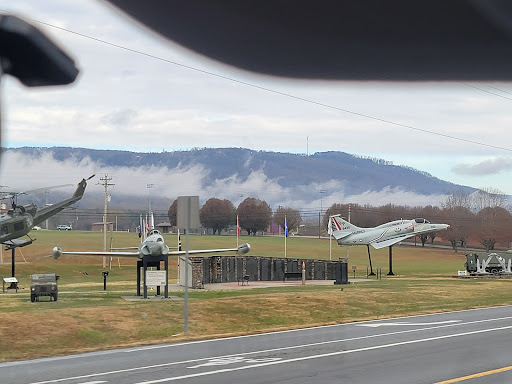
[
  {"x": 269, "y": 350},
  {"x": 407, "y": 323},
  {"x": 234, "y": 360},
  {"x": 95, "y": 382},
  {"x": 311, "y": 357}
]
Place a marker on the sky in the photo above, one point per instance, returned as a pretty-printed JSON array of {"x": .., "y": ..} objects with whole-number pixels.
[{"x": 139, "y": 92}]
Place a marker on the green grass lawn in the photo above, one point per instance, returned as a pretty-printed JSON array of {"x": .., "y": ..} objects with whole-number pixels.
[{"x": 87, "y": 318}]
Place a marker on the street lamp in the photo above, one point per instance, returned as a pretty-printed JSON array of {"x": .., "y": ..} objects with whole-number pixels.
[
  {"x": 149, "y": 186},
  {"x": 321, "y": 192}
]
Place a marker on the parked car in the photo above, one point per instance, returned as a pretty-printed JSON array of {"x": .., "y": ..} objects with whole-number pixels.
[
  {"x": 64, "y": 227},
  {"x": 36, "y": 228}
]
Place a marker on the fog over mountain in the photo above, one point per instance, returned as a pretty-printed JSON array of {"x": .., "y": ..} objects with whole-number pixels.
[{"x": 291, "y": 180}]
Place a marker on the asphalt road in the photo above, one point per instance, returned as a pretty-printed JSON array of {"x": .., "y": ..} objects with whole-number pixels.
[{"x": 420, "y": 349}]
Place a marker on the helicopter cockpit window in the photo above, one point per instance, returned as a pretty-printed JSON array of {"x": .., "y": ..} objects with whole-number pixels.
[
  {"x": 5, "y": 231},
  {"x": 19, "y": 226}
]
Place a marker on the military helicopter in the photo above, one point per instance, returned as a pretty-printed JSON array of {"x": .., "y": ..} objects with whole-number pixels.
[{"x": 20, "y": 219}]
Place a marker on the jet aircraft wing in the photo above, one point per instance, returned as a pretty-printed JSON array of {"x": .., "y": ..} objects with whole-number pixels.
[
  {"x": 389, "y": 242},
  {"x": 243, "y": 248},
  {"x": 57, "y": 252}
]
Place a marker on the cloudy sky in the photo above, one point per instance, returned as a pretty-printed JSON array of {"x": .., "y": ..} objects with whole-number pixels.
[{"x": 139, "y": 92}]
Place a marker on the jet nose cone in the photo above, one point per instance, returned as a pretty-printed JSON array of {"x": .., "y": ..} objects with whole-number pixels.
[{"x": 157, "y": 249}]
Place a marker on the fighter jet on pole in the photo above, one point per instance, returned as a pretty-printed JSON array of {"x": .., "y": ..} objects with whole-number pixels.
[
  {"x": 153, "y": 245},
  {"x": 384, "y": 235}
]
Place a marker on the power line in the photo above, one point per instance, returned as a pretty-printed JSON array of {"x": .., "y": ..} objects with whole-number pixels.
[
  {"x": 496, "y": 88},
  {"x": 410, "y": 127},
  {"x": 486, "y": 91}
]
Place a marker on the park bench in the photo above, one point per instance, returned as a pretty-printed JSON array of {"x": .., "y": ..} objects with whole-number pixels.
[{"x": 293, "y": 275}]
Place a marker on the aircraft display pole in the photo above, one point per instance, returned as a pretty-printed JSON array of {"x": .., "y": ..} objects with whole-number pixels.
[{"x": 390, "y": 273}]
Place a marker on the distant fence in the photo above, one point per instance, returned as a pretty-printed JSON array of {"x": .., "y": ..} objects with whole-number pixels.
[{"x": 223, "y": 269}]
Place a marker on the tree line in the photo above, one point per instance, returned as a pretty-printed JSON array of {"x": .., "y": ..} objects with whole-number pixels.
[
  {"x": 254, "y": 215},
  {"x": 482, "y": 217}
]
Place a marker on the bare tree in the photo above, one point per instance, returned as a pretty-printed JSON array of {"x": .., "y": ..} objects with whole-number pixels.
[
  {"x": 461, "y": 221},
  {"x": 457, "y": 211},
  {"x": 458, "y": 198},
  {"x": 488, "y": 197},
  {"x": 293, "y": 217},
  {"x": 493, "y": 226}
]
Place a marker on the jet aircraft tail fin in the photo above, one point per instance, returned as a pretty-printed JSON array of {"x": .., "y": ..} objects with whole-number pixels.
[{"x": 340, "y": 228}]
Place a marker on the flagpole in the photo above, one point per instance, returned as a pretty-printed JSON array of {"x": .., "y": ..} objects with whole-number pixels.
[
  {"x": 330, "y": 246},
  {"x": 329, "y": 231},
  {"x": 285, "y": 235},
  {"x": 237, "y": 230}
]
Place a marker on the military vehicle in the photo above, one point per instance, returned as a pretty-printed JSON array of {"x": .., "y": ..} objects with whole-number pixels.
[
  {"x": 44, "y": 284},
  {"x": 495, "y": 263}
]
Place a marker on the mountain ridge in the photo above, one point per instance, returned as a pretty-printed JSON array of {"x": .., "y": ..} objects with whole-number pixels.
[{"x": 300, "y": 176}]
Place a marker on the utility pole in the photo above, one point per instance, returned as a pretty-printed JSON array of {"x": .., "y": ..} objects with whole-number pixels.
[
  {"x": 106, "y": 182},
  {"x": 46, "y": 204}
]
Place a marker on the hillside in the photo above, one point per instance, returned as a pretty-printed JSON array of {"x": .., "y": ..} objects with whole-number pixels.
[
  {"x": 290, "y": 170},
  {"x": 231, "y": 173}
]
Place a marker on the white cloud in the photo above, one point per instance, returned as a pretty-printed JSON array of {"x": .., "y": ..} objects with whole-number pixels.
[
  {"x": 487, "y": 167},
  {"x": 22, "y": 173}
]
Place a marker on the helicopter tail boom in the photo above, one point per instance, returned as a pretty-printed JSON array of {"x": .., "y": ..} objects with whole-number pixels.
[{"x": 45, "y": 213}]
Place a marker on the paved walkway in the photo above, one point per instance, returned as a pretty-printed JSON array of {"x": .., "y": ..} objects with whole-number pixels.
[
  {"x": 267, "y": 284},
  {"x": 235, "y": 285}
]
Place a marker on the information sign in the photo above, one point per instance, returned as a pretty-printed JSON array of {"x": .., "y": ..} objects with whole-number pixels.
[{"x": 156, "y": 278}]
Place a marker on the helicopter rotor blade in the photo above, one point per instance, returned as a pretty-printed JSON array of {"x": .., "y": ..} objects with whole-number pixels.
[{"x": 11, "y": 195}]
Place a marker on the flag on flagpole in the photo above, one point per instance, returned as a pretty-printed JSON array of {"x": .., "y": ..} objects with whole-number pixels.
[{"x": 285, "y": 235}]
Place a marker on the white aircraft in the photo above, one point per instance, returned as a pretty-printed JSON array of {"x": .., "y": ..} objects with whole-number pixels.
[
  {"x": 384, "y": 235},
  {"x": 152, "y": 245}
]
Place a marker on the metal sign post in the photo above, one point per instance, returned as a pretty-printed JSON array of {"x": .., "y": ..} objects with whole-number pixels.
[{"x": 187, "y": 217}]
